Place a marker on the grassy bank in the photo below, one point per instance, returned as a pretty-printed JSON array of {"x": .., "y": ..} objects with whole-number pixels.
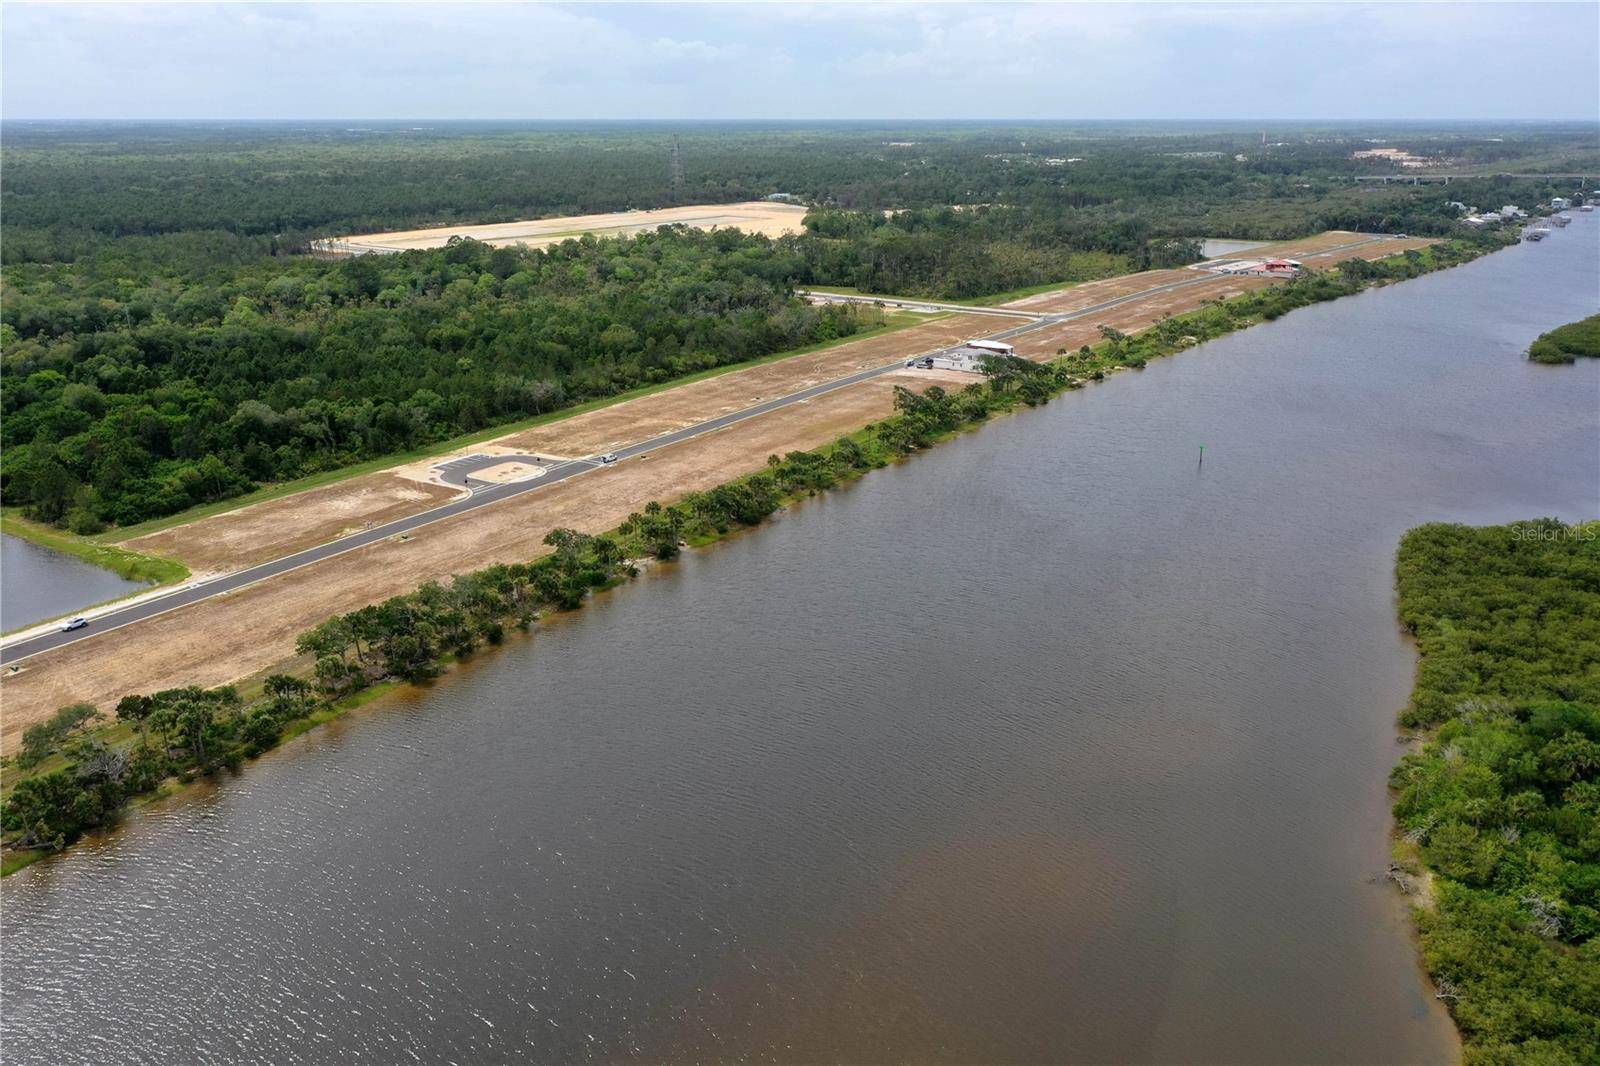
[
  {"x": 73, "y": 784},
  {"x": 1500, "y": 809},
  {"x": 126, "y": 564}
]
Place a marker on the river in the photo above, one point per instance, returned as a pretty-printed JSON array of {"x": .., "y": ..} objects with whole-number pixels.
[
  {"x": 37, "y": 583},
  {"x": 1052, "y": 744}
]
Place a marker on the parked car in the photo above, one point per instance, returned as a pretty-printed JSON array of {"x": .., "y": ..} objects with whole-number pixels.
[{"x": 73, "y": 623}]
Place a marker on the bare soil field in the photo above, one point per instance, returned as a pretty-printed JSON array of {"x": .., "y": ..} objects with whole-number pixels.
[
  {"x": 273, "y": 528},
  {"x": 1391, "y": 246},
  {"x": 662, "y": 412},
  {"x": 1314, "y": 251},
  {"x": 1093, "y": 292},
  {"x": 1136, "y": 315},
  {"x": 253, "y": 629},
  {"x": 757, "y": 216}
]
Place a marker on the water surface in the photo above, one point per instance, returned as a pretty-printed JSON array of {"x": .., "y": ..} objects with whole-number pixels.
[
  {"x": 38, "y": 583},
  {"x": 1049, "y": 745}
]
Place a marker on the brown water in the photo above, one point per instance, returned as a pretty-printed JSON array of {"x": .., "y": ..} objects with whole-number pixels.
[{"x": 1048, "y": 745}]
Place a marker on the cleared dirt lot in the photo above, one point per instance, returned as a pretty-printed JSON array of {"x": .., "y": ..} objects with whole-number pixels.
[
  {"x": 245, "y": 632},
  {"x": 1135, "y": 315},
  {"x": 1093, "y": 292},
  {"x": 1313, "y": 251},
  {"x": 278, "y": 527},
  {"x": 756, "y": 216},
  {"x": 269, "y": 530}
]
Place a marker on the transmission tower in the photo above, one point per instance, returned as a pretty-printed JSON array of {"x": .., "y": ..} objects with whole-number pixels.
[{"x": 676, "y": 170}]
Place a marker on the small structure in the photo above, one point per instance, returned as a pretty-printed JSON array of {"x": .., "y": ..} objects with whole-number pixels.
[
  {"x": 1559, "y": 203},
  {"x": 967, "y": 359},
  {"x": 1513, "y": 211},
  {"x": 1276, "y": 268}
]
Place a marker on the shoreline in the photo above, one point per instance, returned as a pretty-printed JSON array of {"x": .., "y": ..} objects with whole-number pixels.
[{"x": 1035, "y": 385}]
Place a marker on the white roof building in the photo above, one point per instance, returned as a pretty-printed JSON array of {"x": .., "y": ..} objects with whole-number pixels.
[{"x": 992, "y": 347}]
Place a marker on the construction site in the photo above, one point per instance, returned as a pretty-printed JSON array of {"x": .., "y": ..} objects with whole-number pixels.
[{"x": 276, "y": 568}]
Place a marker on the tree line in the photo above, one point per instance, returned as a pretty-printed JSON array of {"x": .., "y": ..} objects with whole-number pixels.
[
  {"x": 132, "y": 397},
  {"x": 1501, "y": 805}
]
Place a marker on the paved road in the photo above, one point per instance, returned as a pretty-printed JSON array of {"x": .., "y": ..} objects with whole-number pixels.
[
  {"x": 914, "y": 305},
  {"x": 486, "y": 495}
]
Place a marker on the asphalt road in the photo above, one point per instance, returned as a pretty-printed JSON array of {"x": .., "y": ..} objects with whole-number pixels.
[
  {"x": 914, "y": 305},
  {"x": 486, "y": 495}
]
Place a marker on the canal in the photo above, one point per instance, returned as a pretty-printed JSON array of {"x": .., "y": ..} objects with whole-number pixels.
[{"x": 1052, "y": 744}]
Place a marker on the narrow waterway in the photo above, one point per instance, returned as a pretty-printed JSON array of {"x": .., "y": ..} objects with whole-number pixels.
[
  {"x": 37, "y": 583},
  {"x": 1049, "y": 745}
]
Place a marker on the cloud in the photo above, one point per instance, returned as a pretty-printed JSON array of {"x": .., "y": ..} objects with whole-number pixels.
[{"x": 818, "y": 60}]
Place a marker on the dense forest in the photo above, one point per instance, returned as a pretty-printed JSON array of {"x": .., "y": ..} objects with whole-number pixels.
[
  {"x": 129, "y": 398},
  {"x": 1502, "y": 804},
  {"x": 254, "y": 189},
  {"x": 166, "y": 343}
]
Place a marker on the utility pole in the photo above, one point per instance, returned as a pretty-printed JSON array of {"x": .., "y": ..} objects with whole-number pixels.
[{"x": 676, "y": 171}]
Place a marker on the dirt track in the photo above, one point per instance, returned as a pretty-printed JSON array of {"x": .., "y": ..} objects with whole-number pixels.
[{"x": 242, "y": 633}]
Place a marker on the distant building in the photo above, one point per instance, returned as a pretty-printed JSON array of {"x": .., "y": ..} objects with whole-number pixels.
[{"x": 1513, "y": 211}]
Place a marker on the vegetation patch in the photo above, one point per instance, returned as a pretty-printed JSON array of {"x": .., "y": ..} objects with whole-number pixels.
[
  {"x": 126, "y": 564},
  {"x": 1565, "y": 344},
  {"x": 1501, "y": 806}
]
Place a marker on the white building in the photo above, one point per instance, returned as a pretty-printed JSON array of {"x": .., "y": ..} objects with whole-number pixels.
[
  {"x": 1559, "y": 203},
  {"x": 1513, "y": 211},
  {"x": 967, "y": 359}
]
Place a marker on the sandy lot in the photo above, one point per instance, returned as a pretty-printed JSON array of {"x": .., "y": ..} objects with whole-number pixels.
[
  {"x": 1093, "y": 292},
  {"x": 269, "y": 530},
  {"x": 756, "y": 216},
  {"x": 263, "y": 531},
  {"x": 1313, "y": 251},
  {"x": 1135, "y": 315}
]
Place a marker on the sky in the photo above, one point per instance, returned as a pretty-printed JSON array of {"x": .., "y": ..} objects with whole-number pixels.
[{"x": 800, "y": 61}]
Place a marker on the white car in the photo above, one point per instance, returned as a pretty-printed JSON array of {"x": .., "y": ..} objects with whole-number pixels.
[
  {"x": 609, "y": 457},
  {"x": 73, "y": 623}
]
